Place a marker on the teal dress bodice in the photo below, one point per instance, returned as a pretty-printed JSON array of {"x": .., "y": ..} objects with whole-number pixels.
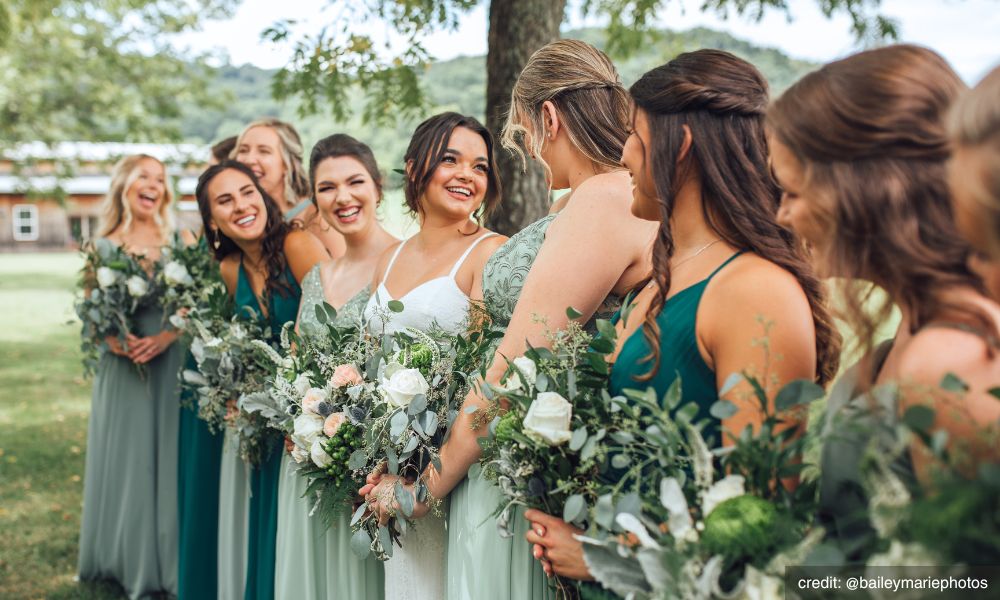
[
  {"x": 263, "y": 520},
  {"x": 679, "y": 356}
]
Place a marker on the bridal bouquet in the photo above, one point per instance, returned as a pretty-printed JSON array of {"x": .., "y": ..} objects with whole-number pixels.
[
  {"x": 417, "y": 381},
  {"x": 114, "y": 286},
  {"x": 188, "y": 276},
  {"x": 724, "y": 526}
]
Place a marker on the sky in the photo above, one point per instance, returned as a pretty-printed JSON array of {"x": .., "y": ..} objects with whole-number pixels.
[{"x": 964, "y": 31}]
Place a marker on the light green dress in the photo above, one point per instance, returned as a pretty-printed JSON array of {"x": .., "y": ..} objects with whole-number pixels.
[
  {"x": 234, "y": 511},
  {"x": 129, "y": 522},
  {"x": 314, "y": 562},
  {"x": 481, "y": 564}
]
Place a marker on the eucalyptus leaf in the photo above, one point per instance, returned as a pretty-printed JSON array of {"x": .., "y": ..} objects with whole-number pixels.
[
  {"x": 574, "y": 509},
  {"x": 542, "y": 382},
  {"x": 411, "y": 444},
  {"x": 620, "y": 461},
  {"x": 392, "y": 461},
  {"x": 360, "y": 512},
  {"x": 579, "y": 437},
  {"x": 417, "y": 405},
  {"x": 919, "y": 418},
  {"x": 589, "y": 449},
  {"x": 429, "y": 422},
  {"x": 623, "y": 575},
  {"x": 397, "y": 424},
  {"x": 395, "y": 306},
  {"x": 385, "y": 540},
  {"x": 723, "y": 409},
  {"x": 731, "y": 382},
  {"x": 798, "y": 392},
  {"x": 361, "y": 543},
  {"x": 404, "y": 498},
  {"x": 357, "y": 460},
  {"x": 953, "y": 383},
  {"x": 604, "y": 511}
]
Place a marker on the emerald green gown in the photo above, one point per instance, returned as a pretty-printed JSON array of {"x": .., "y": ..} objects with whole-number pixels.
[
  {"x": 129, "y": 523},
  {"x": 198, "y": 469},
  {"x": 314, "y": 562}
]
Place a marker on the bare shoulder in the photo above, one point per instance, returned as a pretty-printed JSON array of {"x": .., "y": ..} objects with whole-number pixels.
[
  {"x": 188, "y": 237},
  {"x": 487, "y": 247},
  {"x": 753, "y": 284},
  {"x": 609, "y": 191},
  {"x": 936, "y": 351},
  {"x": 229, "y": 269},
  {"x": 299, "y": 240}
]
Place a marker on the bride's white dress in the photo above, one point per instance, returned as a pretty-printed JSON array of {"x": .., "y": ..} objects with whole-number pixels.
[{"x": 417, "y": 570}]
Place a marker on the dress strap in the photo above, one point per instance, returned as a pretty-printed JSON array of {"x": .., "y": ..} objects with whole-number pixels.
[
  {"x": 392, "y": 260},
  {"x": 723, "y": 265},
  {"x": 472, "y": 246}
]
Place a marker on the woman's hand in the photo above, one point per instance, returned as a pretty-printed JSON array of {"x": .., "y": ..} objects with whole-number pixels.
[
  {"x": 144, "y": 349},
  {"x": 553, "y": 543},
  {"x": 381, "y": 497},
  {"x": 231, "y": 411},
  {"x": 115, "y": 346}
]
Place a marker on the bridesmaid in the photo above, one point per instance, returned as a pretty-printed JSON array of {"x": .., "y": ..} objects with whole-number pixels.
[
  {"x": 974, "y": 126},
  {"x": 198, "y": 471},
  {"x": 273, "y": 150},
  {"x": 314, "y": 562},
  {"x": 451, "y": 184},
  {"x": 860, "y": 149},
  {"x": 570, "y": 105},
  {"x": 262, "y": 261},
  {"x": 721, "y": 264},
  {"x": 129, "y": 519}
]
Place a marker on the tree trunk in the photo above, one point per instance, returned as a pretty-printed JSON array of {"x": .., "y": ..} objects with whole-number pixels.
[{"x": 517, "y": 29}]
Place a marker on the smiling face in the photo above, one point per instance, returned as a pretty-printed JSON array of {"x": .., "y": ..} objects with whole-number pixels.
[
  {"x": 148, "y": 192},
  {"x": 346, "y": 194},
  {"x": 260, "y": 149},
  {"x": 802, "y": 210},
  {"x": 236, "y": 206},
  {"x": 460, "y": 181},
  {"x": 636, "y": 158}
]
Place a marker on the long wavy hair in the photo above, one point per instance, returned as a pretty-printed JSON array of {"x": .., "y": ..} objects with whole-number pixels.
[
  {"x": 115, "y": 211},
  {"x": 722, "y": 100},
  {"x": 869, "y": 131},
  {"x": 296, "y": 181},
  {"x": 426, "y": 150},
  {"x": 273, "y": 241},
  {"x": 587, "y": 92}
]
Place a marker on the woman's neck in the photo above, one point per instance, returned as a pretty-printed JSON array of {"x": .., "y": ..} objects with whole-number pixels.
[
  {"x": 436, "y": 232},
  {"x": 253, "y": 255},
  {"x": 688, "y": 226},
  {"x": 580, "y": 169},
  {"x": 141, "y": 227}
]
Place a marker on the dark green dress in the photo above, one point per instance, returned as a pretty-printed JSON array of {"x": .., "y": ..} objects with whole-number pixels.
[
  {"x": 198, "y": 463},
  {"x": 263, "y": 521}
]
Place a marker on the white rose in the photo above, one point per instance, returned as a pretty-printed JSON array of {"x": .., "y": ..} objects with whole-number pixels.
[
  {"x": 300, "y": 455},
  {"x": 301, "y": 383},
  {"x": 319, "y": 455},
  {"x": 312, "y": 399},
  {"x": 402, "y": 385},
  {"x": 106, "y": 277},
  {"x": 728, "y": 487},
  {"x": 305, "y": 429},
  {"x": 548, "y": 419},
  {"x": 527, "y": 368},
  {"x": 177, "y": 274},
  {"x": 137, "y": 286}
]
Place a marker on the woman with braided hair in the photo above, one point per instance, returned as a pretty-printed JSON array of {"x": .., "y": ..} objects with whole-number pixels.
[{"x": 721, "y": 264}]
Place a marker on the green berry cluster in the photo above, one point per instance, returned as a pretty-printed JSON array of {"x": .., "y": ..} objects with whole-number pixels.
[{"x": 340, "y": 447}]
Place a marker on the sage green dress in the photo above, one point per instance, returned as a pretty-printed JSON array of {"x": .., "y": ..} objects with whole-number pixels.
[
  {"x": 314, "y": 562},
  {"x": 481, "y": 563},
  {"x": 129, "y": 523}
]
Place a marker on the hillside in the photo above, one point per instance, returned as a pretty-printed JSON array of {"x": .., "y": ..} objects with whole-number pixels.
[{"x": 458, "y": 84}]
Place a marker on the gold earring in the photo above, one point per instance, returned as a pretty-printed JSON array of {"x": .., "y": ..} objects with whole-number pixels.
[{"x": 217, "y": 242}]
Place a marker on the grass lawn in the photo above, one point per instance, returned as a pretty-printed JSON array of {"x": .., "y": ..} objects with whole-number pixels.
[{"x": 44, "y": 403}]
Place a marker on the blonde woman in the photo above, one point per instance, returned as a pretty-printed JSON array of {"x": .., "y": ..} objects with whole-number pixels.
[
  {"x": 129, "y": 523},
  {"x": 273, "y": 151},
  {"x": 974, "y": 173},
  {"x": 569, "y": 111}
]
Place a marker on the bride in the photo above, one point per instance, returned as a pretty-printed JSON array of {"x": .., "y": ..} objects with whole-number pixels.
[{"x": 451, "y": 183}]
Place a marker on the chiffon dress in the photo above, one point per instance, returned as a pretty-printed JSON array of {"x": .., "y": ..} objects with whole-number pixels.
[
  {"x": 417, "y": 571},
  {"x": 129, "y": 524},
  {"x": 315, "y": 562}
]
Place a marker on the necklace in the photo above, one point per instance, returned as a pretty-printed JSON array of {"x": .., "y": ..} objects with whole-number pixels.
[{"x": 696, "y": 253}]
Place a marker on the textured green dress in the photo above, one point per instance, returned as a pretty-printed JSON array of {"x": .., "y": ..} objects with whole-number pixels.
[
  {"x": 314, "y": 562},
  {"x": 262, "y": 521},
  {"x": 198, "y": 469},
  {"x": 481, "y": 564},
  {"x": 129, "y": 522}
]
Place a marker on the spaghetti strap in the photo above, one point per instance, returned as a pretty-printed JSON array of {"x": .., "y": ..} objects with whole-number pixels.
[
  {"x": 723, "y": 265},
  {"x": 472, "y": 246},
  {"x": 392, "y": 261}
]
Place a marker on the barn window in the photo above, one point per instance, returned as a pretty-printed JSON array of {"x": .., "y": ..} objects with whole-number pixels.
[{"x": 25, "y": 222}]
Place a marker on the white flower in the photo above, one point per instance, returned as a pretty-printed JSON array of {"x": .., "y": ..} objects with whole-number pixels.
[
  {"x": 300, "y": 455},
  {"x": 306, "y": 429},
  {"x": 137, "y": 286},
  {"x": 728, "y": 487},
  {"x": 312, "y": 399},
  {"x": 548, "y": 419},
  {"x": 402, "y": 385},
  {"x": 523, "y": 366},
  {"x": 319, "y": 455},
  {"x": 177, "y": 274},
  {"x": 106, "y": 277},
  {"x": 672, "y": 498}
]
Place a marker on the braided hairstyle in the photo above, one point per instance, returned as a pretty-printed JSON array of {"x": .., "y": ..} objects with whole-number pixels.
[{"x": 722, "y": 100}]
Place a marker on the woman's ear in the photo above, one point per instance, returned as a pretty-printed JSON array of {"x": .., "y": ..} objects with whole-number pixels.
[
  {"x": 685, "y": 144},
  {"x": 550, "y": 120},
  {"x": 409, "y": 168}
]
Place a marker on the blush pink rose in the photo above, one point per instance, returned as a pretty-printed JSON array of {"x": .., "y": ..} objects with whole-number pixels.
[
  {"x": 345, "y": 375},
  {"x": 333, "y": 423}
]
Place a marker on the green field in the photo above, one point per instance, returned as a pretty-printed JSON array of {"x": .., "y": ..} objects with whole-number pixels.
[{"x": 44, "y": 403}]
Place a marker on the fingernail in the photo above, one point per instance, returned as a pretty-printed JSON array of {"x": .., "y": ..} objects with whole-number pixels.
[{"x": 540, "y": 531}]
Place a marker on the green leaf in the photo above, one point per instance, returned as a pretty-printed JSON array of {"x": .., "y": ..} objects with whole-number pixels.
[
  {"x": 622, "y": 437},
  {"x": 361, "y": 543},
  {"x": 404, "y": 498},
  {"x": 417, "y": 405},
  {"x": 357, "y": 460},
  {"x": 395, "y": 306},
  {"x": 798, "y": 392},
  {"x": 429, "y": 422},
  {"x": 360, "y": 512},
  {"x": 994, "y": 391},
  {"x": 320, "y": 314},
  {"x": 604, "y": 511},
  {"x": 723, "y": 409},
  {"x": 620, "y": 461},
  {"x": 731, "y": 382},
  {"x": 953, "y": 383},
  {"x": 542, "y": 382},
  {"x": 602, "y": 346},
  {"x": 673, "y": 396},
  {"x": 607, "y": 330},
  {"x": 574, "y": 509},
  {"x": 397, "y": 424},
  {"x": 919, "y": 418},
  {"x": 392, "y": 461},
  {"x": 597, "y": 363},
  {"x": 411, "y": 444},
  {"x": 589, "y": 448},
  {"x": 573, "y": 314},
  {"x": 579, "y": 438}
]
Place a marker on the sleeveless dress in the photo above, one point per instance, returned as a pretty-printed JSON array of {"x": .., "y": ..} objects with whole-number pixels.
[
  {"x": 198, "y": 469},
  {"x": 417, "y": 570},
  {"x": 481, "y": 564},
  {"x": 129, "y": 522},
  {"x": 314, "y": 562}
]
